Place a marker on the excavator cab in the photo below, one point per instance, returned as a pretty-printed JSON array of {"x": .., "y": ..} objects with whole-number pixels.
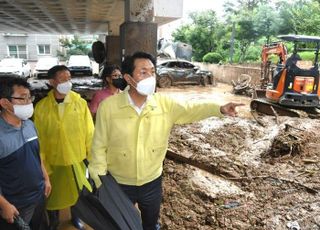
[
  {"x": 293, "y": 85},
  {"x": 296, "y": 86}
]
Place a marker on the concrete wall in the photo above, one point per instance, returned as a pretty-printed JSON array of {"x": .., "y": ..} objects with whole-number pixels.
[{"x": 227, "y": 73}]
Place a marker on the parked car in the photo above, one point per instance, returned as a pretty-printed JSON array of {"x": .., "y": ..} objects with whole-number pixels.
[
  {"x": 170, "y": 72},
  {"x": 14, "y": 67},
  {"x": 79, "y": 64},
  {"x": 43, "y": 65}
]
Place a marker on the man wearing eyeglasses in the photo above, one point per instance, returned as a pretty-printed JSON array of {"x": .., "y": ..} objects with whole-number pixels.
[
  {"x": 65, "y": 129},
  {"x": 23, "y": 179}
]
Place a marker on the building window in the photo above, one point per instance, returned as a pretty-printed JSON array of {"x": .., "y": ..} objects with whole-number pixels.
[
  {"x": 43, "y": 49},
  {"x": 17, "y": 51}
]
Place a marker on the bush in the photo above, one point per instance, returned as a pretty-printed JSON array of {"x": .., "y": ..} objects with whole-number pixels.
[
  {"x": 212, "y": 57},
  {"x": 253, "y": 53}
]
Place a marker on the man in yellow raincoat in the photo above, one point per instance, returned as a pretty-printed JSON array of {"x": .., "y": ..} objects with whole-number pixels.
[{"x": 65, "y": 129}]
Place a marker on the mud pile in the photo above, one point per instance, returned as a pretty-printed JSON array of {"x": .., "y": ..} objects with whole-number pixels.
[{"x": 239, "y": 175}]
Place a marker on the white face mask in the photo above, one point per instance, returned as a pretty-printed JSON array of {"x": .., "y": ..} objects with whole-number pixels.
[
  {"x": 23, "y": 112},
  {"x": 146, "y": 86},
  {"x": 64, "y": 87}
]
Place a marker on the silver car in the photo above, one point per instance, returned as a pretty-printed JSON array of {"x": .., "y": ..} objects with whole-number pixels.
[
  {"x": 43, "y": 65},
  {"x": 172, "y": 72}
]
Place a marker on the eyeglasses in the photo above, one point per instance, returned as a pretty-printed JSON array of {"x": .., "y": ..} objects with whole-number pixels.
[{"x": 25, "y": 99}]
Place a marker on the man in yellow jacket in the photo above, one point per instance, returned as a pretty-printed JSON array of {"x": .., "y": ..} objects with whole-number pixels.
[
  {"x": 132, "y": 132},
  {"x": 65, "y": 129}
]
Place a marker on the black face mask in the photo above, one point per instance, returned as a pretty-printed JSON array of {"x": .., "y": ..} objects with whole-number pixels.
[{"x": 119, "y": 83}]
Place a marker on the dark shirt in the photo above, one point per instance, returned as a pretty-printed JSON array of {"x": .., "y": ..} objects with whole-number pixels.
[{"x": 21, "y": 177}]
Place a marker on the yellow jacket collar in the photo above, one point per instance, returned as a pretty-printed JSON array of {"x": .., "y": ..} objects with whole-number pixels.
[
  {"x": 124, "y": 101},
  {"x": 71, "y": 96}
]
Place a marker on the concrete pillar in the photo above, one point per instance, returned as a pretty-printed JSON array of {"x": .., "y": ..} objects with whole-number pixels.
[
  {"x": 139, "y": 10},
  {"x": 113, "y": 49},
  {"x": 138, "y": 36},
  {"x": 138, "y": 32}
]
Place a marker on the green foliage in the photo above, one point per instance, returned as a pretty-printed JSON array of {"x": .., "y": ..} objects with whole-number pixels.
[
  {"x": 300, "y": 17},
  {"x": 212, "y": 57},
  {"x": 253, "y": 53},
  {"x": 200, "y": 33},
  {"x": 307, "y": 56},
  {"x": 256, "y": 22},
  {"x": 74, "y": 46},
  {"x": 266, "y": 21},
  {"x": 251, "y": 4},
  {"x": 273, "y": 58}
]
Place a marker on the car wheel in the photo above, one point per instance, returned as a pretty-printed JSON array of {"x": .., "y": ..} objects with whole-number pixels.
[
  {"x": 164, "y": 81},
  {"x": 204, "y": 80}
]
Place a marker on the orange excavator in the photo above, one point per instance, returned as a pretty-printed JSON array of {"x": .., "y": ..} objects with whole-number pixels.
[{"x": 292, "y": 90}]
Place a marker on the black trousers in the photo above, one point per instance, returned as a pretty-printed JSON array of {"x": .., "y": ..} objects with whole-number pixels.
[{"x": 148, "y": 197}]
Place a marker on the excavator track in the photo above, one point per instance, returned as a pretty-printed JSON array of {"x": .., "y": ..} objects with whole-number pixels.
[{"x": 265, "y": 107}]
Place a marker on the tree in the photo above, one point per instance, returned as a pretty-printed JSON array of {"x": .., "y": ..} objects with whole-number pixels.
[
  {"x": 255, "y": 22},
  {"x": 300, "y": 17},
  {"x": 247, "y": 29},
  {"x": 74, "y": 46},
  {"x": 181, "y": 34},
  {"x": 302, "y": 21},
  {"x": 251, "y": 4},
  {"x": 266, "y": 21},
  {"x": 245, "y": 33},
  {"x": 200, "y": 33}
]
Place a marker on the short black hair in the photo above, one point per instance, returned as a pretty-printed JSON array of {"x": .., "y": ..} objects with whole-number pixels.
[
  {"x": 7, "y": 84},
  {"x": 107, "y": 71},
  {"x": 53, "y": 71},
  {"x": 128, "y": 63}
]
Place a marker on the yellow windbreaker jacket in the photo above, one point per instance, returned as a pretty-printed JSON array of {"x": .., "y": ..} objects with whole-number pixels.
[{"x": 132, "y": 147}]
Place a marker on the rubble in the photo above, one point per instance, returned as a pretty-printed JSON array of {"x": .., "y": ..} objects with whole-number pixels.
[
  {"x": 243, "y": 175},
  {"x": 243, "y": 85}
]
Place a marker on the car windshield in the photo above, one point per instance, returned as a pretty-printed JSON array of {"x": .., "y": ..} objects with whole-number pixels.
[
  {"x": 46, "y": 62},
  {"x": 10, "y": 63},
  {"x": 79, "y": 61}
]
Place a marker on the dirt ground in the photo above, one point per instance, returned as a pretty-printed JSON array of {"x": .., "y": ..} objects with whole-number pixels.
[{"x": 241, "y": 175}]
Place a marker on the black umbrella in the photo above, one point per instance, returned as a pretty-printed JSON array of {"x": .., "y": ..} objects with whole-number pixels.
[
  {"x": 20, "y": 223},
  {"x": 108, "y": 207}
]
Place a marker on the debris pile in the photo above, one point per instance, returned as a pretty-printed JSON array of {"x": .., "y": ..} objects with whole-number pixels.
[
  {"x": 243, "y": 85},
  {"x": 235, "y": 174},
  {"x": 290, "y": 141}
]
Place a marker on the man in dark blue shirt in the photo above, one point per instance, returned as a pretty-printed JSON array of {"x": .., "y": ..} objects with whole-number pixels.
[{"x": 23, "y": 179}]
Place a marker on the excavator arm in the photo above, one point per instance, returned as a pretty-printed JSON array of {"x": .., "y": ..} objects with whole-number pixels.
[{"x": 275, "y": 48}]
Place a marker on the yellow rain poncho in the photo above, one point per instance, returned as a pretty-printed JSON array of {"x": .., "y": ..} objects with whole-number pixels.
[{"x": 65, "y": 134}]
